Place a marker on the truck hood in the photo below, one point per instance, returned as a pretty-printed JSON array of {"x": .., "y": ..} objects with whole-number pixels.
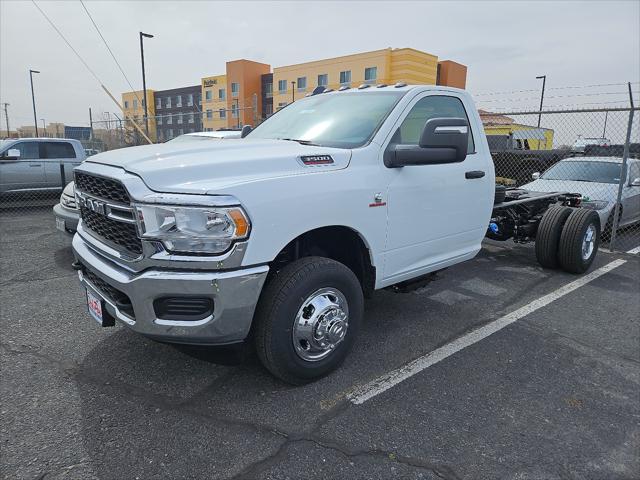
[
  {"x": 592, "y": 190},
  {"x": 206, "y": 166}
]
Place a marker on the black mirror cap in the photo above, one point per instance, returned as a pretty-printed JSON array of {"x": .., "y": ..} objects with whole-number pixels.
[
  {"x": 246, "y": 130},
  {"x": 443, "y": 140}
]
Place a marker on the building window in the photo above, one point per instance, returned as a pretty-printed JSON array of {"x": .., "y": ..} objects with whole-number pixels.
[
  {"x": 282, "y": 105},
  {"x": 126, "y": 104},
  {"x": 235, "y": 89},
  {"x": 208, "y": 95},
  {"x": 282, "y": 86},
  {"x": 345, "y": 78},
  {"x": 268, "y": 110},
  {"x": 209, "y": 114},
  {"x": 268, "y": 90},
  {"x": 234, "y": 110},
  {"x": 323, "y": 80},
  {"x": 169, "y": 119},
  {"x": 370, "y": 74},
  {"x": 170, "y": 133},
  {"x": 159, "y": 119},
  {"x": 179, "y": 119},
  {"x": 190, "y": 118},
  {"x": 158, "y": 103},
  {"x": 199, "y": 100},
  {"x": 302, "y": 84},
  {"x": 223, "y": 113},
  {"x": 190, "y": 100},
  {"x": 135, "y": 104},
  {"x": 180, "y": 131},
  {"x": 178, "y": 100},
  {"x": 222, "y": 94},
  {"x": 168, "y": 104}
]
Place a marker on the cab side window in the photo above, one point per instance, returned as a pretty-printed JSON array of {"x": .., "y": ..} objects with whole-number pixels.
[
  {"x": 59, "y": 150},
  {"x": 28, "y": 150},
  {"x": 434, "y": 106}
]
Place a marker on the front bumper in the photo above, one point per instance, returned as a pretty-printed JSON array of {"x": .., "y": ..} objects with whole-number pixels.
[
  {"x": 70, "y": 217},
  {"x": 234, "y": 293}
]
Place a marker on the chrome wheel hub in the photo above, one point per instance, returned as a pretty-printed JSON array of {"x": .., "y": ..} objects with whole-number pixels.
[
  {"x": 320, "y": 324},
  {"x": 588, "y": 242}
]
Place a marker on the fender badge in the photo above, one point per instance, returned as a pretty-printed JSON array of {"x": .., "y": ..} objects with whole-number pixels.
[
  {"x": 377, "y": 201},
  {"x": 317, "y": 160}
]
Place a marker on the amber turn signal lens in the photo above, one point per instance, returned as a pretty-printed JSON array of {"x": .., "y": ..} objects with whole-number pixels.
[{"x": 242, "y": 226}]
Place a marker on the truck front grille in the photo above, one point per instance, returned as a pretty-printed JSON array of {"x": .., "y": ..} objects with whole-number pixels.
[
  {"x": 123, "y": 235},
  {"x": 101, "y": 187}
]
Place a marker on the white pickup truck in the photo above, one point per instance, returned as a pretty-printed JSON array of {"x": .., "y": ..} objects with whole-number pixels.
[{"x": 276, "y": 238}]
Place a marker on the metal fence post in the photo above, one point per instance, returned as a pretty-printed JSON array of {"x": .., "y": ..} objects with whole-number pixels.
[{"x": 623, "y": 177}]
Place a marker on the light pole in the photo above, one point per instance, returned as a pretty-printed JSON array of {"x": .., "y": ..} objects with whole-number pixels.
[
  {"x": 544, "y": 81},
  {"x": 44, "y": 128},
  {"x": 293, "y": 91},
  {"x": 144, "y": 83},
  {"x": 33, "y": 100},
  {"x": 6, "y": 117}
]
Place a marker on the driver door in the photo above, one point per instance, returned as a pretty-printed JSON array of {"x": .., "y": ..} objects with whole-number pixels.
[
  {"x": 437, "y": 213},
  {"x": 24, "y": 172}
]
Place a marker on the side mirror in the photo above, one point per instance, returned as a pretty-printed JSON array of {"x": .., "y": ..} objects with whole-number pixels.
[
  {"x": 12, "y": 154},
  {"x": 246, "y": 130},
  {"x": 535, "y": 175},
  {"x": 443, "y": 140},
  {"x": 635, "y": 182}
]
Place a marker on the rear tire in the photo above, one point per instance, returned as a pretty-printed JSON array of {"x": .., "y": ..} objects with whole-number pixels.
[
  {"x": 579, "y": 241},
  {"x": 548, "y": 235},
  {"x": 293, "y": 299}
]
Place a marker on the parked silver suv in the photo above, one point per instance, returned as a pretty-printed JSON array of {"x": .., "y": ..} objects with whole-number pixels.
[{"x": 35, "y": 164}]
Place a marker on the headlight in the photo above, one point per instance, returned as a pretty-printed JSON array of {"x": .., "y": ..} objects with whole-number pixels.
[
  {"x": 69, "y": 202},
  {"x": 193, "y": 230},
  {"x": 594, "y": 204}
]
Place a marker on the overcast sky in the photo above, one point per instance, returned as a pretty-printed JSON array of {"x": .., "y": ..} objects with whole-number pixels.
[{"x": 504, "y": 44}]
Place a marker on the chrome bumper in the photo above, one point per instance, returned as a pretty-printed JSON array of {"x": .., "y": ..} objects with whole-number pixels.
[{"x": 234, "y": 294}]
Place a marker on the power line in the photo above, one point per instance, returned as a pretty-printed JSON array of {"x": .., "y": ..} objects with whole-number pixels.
[
  {"x": 67, "y": 42},
  {"x": 109, "y": 49},
  {"x": 555, "y": 88}
]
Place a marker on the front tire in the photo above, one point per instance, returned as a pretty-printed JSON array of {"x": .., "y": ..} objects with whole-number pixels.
[{"x": 307, "y": 319}]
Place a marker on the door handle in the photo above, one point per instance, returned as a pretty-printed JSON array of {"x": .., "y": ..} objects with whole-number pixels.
[{"x": 474, "y": 174}]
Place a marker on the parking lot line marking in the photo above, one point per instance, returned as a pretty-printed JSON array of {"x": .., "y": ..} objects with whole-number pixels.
[
  {"x": 633, "y": 251},
  {"x": 366, "y": 392}
]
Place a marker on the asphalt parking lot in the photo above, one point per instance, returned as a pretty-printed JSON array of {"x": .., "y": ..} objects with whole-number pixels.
[{"x": 552, "y": 395}]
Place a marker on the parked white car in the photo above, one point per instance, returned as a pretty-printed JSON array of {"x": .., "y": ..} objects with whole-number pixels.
[
  {"x": 597, "y": 179},
  {"x": 214, "y": 135},
  {"x": 581, "y": 143},
  {"x": 66, "y": 212}
]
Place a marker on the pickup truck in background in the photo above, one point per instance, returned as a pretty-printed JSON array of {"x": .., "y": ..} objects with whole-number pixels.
[
  {"x": 38, "y": 164},
  {"x": 277, "y": 238}
]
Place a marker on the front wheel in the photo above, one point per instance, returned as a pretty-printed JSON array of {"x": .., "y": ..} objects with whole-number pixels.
[
  {"x": 307, "y": 319},
  {"x": 579, "y": 241}
]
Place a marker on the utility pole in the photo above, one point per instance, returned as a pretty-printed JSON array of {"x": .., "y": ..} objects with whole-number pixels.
[
  {"x": 6, "y": 118},
  {"x": 544, "y": 81},
  {"x": 90, "y": 125},
  {"x": 144, "y": 83},
  {"x": 33, "y": 100}
]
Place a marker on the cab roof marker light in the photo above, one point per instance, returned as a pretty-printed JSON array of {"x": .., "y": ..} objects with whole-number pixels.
[
  {"x": 363, "y": 86},
  {"x": 319, "y": 89},
  {"x": 343, "y": 88},
  {"x": 327, "y": 90},
  {"x": 381, "y": 85},
  {"x": 400, "y": 85}
]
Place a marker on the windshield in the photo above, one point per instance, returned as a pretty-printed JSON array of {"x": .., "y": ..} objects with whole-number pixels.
[
  {"x": 342, "y": 120},
  {"x": 599, "y": 172}
]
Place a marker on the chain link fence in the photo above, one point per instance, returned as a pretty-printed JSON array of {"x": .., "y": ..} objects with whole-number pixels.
[{"x": 593, "y": 152}]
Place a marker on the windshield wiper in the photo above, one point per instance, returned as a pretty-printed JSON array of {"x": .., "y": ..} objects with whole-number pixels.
[{"x": 301, "y": 142}]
